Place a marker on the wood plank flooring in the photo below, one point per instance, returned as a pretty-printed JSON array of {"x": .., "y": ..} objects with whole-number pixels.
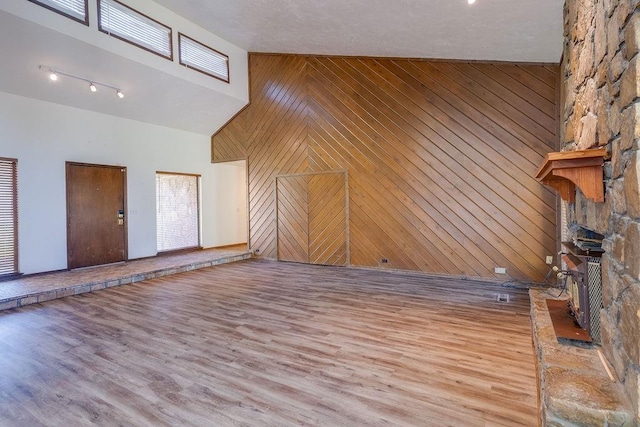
[{"x": 262, "y": 343}]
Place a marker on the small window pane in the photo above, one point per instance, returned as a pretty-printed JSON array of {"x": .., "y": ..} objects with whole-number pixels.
[
  {"x": 74, "y": 9},
  {"x": 202, "y": 58},
  {"x": 120, "y": 21},
  {"x": 178, "y": 213},
  {"x": 8, "y": 217}
]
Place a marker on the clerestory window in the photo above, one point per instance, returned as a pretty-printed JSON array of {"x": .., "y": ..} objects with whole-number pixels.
[
  {"x": 74, "y": 9},
  {"x": 127, "y": 24}
]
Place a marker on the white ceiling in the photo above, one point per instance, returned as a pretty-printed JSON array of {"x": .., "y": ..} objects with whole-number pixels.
[
  {"x": 151, "y": 95},
  {"x": 505, "y": 30}
]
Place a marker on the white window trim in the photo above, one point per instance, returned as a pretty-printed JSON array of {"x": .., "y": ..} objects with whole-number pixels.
[{"x": 190, "y": 244}]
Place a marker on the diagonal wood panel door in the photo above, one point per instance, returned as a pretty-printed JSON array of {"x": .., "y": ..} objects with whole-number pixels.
[
  {"x": 293, "y": 219},
  {"x": 96, "y": 231},
  {"x": 312, "y": 218},
  {"x": 327, "y": 219}
]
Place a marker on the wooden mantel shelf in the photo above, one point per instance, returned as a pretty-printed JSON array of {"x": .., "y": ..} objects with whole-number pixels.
[{"x": 565, "y": 169}]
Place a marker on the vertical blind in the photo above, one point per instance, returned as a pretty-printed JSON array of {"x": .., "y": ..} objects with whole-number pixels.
[
  {"x": 125, "y": 23},
  {"x": 202, "y": 58},
  {"x": 76, "y": 9},
  {"x": 8, "y": 217},
  {"x": 177, "y": 211}
]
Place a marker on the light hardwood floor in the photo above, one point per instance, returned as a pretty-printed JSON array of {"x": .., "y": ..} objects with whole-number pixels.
[{"x": 262, "y": 343}]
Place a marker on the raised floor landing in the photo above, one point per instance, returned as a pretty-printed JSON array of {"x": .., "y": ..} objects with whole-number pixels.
[{"x": 44, "y": 287}]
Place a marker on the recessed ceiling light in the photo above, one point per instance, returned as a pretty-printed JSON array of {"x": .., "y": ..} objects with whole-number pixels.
[{"x": 471, "y": 1}]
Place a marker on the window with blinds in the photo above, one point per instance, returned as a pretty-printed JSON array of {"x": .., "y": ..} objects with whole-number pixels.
[
  {"x": 177, "y": 211},
  {"x": 74, "y": 9},
  {"x": 127, "y": 24},
  {"x": 202, "y": 58},
  {"x": 8, "y": 216}
]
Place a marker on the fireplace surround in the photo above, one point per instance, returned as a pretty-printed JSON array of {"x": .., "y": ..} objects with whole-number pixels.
[{"x": 600, "y": 107}]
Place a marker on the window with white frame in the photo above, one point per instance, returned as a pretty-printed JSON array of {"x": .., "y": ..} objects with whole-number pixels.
[
  {"x": 200, "y": 57},
  {"x": 8, "y": 216},
  {"x": 74, "y": 9},
  {"x": 127, "y": 24},
  {"x": 177, "y": 211}
]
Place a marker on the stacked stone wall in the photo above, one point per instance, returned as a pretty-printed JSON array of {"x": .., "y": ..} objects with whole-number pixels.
[{"x": 601, "y": 108}]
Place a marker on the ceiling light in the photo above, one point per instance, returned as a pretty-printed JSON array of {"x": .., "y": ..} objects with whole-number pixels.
[
  {"x": 93, "y": 85},
  {"x": 471, "y": 1}
]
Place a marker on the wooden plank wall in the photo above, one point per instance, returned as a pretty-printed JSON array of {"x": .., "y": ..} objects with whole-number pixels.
[{"x": 440, "y": 155}]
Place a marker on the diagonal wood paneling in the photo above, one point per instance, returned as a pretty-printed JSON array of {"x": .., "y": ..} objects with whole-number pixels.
[
  {"x": 440, "y": 156},
  {"x": 230, "y": 141},
  {"x": 272, "y": 132}
]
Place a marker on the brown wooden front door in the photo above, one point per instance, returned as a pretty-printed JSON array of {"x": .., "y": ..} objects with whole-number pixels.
[{"x": 96, "y": 225}]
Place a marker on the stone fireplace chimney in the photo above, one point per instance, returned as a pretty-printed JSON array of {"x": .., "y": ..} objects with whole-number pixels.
[{"x": 600, "y": 107}]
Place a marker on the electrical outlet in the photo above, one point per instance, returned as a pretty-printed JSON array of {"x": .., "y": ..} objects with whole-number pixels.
[
  {"x": 549, "y": 259},
  {"x": 503, "y": 297},
  {"x": 500, "y": 270},
  {"x": 384, "y": 260},
  {"x": 256, "y": 251}
]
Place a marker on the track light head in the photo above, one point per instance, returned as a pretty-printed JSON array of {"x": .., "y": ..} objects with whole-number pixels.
[
  {"x": 120, "y": 94},
  {"x": 93, "y": 87},
  {"x": 53, "y": 76}
]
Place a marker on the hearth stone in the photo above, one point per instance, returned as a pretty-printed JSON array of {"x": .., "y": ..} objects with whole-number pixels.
[{"x": 573, "y": 385}]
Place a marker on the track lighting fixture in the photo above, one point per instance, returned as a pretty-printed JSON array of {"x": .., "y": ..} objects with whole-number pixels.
[{"x": 93, "y": 85}]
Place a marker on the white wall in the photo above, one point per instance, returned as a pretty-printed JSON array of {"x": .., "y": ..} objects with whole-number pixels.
[
  {"x": 157, "y": 90},
  {"x": 43, "y": 136},
  {"x": 238, "y": 61}
]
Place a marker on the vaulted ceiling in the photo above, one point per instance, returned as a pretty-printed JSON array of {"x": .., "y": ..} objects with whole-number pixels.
[{"x": 505, "y": 30}]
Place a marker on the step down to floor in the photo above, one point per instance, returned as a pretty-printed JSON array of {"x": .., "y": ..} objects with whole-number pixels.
[{"x": 88, "y": 285}]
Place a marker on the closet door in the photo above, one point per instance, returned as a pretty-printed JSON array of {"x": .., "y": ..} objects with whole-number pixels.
[
  {"x": 292, "y": 218},
  {"x": 312, "y": 218},
  {"x": 327, "y": 219}
]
